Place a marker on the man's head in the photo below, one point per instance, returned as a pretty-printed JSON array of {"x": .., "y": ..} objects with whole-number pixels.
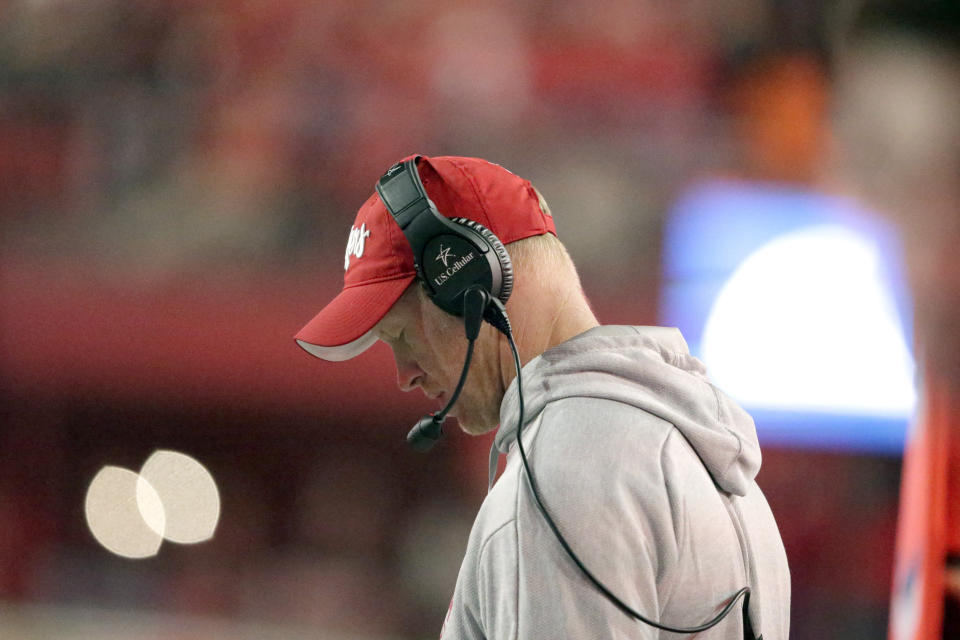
[
  {"x": 379, "y": 301},
  {"x": 428, "y": 344}
]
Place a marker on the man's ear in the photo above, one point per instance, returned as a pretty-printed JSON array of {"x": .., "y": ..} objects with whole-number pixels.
[{"x": 424, "y": 293}]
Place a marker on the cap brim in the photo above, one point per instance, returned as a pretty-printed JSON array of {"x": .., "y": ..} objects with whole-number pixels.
[{"x": 344, "y": 328}]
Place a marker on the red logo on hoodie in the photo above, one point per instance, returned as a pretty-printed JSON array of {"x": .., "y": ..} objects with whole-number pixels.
[{"x": 447, "y": 619}]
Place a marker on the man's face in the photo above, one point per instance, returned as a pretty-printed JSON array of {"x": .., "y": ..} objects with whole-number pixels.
[{"x": 429, "y": 347}]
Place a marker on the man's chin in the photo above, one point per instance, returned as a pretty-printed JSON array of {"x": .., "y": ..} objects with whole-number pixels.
[
  {"x": 475, "y": 418},
  {"x": 475, "y": 427}
]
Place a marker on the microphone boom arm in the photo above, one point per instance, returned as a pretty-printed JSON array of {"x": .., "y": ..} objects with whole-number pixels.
[{"x": 428, "y": 429}]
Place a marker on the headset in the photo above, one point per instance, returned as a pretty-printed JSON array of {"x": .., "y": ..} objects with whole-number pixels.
[{"x": 466, "y": 271}]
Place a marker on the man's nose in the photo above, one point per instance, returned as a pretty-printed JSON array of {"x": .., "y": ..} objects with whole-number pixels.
[{"x": 409, "y": 375}]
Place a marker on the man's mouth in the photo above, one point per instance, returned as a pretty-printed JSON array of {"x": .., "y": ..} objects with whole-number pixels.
[
  {"x": 440, "y": 397},
  {"x": 435, "y": 395}
]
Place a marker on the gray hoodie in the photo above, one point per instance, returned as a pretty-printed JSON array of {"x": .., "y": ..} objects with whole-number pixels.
[{"x": 648, "y": 471}]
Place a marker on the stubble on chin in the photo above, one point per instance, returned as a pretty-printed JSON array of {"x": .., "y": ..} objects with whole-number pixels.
[
  {"x": 476, "y": 428},
  {"x": 477, "y": 421}
]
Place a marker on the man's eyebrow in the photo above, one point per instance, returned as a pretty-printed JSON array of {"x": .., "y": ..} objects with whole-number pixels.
[{"x": 382, "y": 332}]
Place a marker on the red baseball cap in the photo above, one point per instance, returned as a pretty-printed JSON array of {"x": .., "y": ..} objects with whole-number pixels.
[{"x": 378, "y": 262}]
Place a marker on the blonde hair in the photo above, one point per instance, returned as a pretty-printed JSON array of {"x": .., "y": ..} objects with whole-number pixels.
[{"x": 544, "y": 260}]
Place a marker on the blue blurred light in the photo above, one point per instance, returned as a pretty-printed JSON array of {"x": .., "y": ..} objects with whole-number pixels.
[{"x": 794, "y": 301}]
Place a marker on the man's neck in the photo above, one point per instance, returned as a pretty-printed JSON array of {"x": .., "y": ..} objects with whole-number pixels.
[{"x": 538, "y": 332}]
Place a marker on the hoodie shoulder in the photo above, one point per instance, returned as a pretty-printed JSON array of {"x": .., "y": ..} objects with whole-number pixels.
[{"x": 650, "y": 370}]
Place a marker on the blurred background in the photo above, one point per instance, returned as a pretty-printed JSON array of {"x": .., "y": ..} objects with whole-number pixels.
[{"x": 177, "y": 183}]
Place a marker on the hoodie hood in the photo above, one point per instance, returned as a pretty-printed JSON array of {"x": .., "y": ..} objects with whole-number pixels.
[{"x": 649, "y": 368}]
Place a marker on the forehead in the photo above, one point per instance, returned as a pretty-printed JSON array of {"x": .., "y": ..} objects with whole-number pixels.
[{"x": 404, "y": 311}]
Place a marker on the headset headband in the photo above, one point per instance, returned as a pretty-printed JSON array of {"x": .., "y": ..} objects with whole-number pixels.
[
  {"x": 401, "y": 190},
  {"x": 404, "y": 196},
  {"x": 450, "y": 255}
]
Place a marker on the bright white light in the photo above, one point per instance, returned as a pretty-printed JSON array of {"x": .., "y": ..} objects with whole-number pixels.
[
  {"x": 807, "y": 322},
  {"x": 150, "y": 506},
  {"x": 173, "y": 497},
  {"x": 189, "y": 495},
  {"x": 114, "y": 513}
]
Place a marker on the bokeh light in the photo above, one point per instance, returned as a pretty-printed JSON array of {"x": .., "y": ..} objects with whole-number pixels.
[
  {"x": 118, "y": 506},
  {"x": 807, "y": 322},
  {"x": 173, "y": 497},
  {"x": 188, "y": 493}
]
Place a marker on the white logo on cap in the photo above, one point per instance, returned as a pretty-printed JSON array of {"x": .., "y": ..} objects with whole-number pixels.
[{"x": 355, "y": 243}]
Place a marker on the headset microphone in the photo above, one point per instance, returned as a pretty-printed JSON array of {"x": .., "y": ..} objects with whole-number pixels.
[{"x": 428, "y": 429}]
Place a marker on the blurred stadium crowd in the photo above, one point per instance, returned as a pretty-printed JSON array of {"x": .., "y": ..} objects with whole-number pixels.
[
  {"x": 169, "y": 134},
  {"x": 178, "y": 150}
]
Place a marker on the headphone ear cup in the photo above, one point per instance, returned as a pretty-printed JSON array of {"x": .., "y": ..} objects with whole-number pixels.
[{"x": 506, "y": 266}]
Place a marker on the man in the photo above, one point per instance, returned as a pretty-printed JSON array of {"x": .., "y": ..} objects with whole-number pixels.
[{"x": 646, "y": 469}]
